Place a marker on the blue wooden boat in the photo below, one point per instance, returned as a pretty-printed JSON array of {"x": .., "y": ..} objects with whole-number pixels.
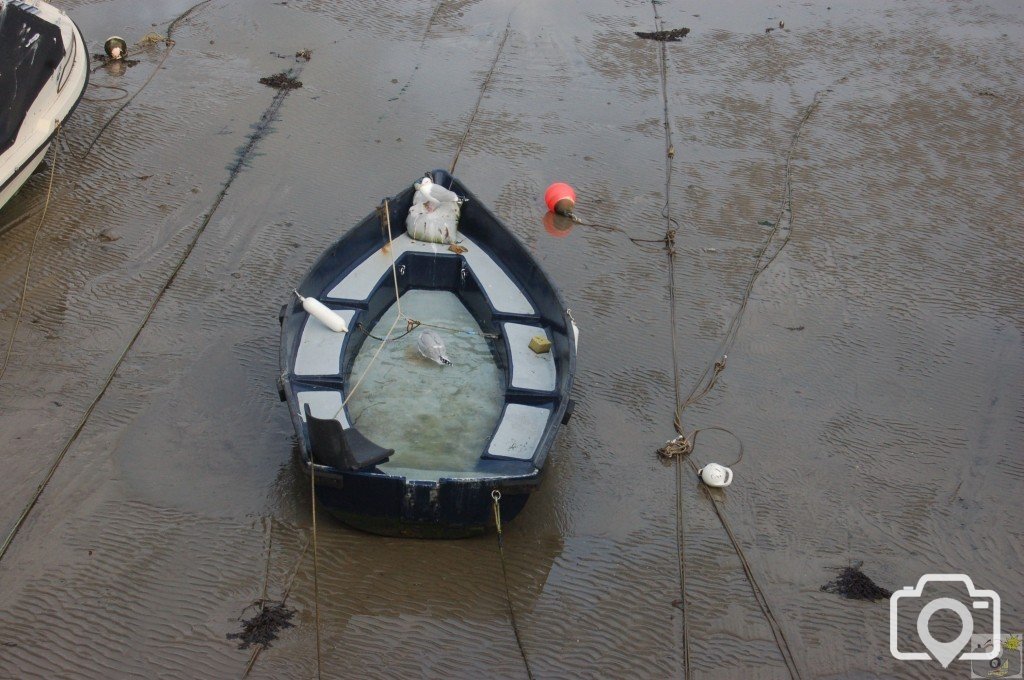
[{"x": 383, "y": 484}]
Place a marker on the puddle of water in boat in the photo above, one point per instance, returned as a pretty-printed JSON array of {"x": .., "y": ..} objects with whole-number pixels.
[{"x": 437, "y": 418}]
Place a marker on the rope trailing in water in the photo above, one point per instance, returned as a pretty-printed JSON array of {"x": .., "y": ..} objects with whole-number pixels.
[
  {"x": 261, "y": 127},
  {"x": 284, "y": 597},
  {"x": 316, "y": 565},
  {"x": 386, "y": 217},
  {"x": 762, "y": 261},
  {"x": 480, "y": 97},
  {"x": 671, "y": 227},
  {"x": 496, "y": 495},
  {"x": 683, "y": 445},
  {"x": 31, "y": 253},
  {"x": 762, "y": 601}
]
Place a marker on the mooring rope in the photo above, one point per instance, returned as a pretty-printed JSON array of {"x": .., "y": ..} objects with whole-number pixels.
[
  {"x": 316, "y": 565},
  {"x": 761, "y": 263},
  {"x": 762, "y": 601},
  {"x": 683, "y": 445},
  {"x": 671, "y": 227},
  {"x": 496, "y": 495},
  {"x": 706, "y": 383},
  {"x": 386, "y": 217},
  {"x": 261, "y": 127},
  {"x": 31, "y": 253},
  {"x": 284, "y": 597},
  {"x": 169, "y": 42},
  {"x": 480, "y": 97}
]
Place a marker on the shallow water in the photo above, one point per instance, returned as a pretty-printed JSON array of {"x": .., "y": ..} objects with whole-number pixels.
[
  {"x": 875, "y": 379},
  {"x": 436, "y": 418}
]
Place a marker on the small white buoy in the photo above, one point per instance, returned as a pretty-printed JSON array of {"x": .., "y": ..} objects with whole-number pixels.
[
  {"x": 324, "y": 314},
  {"x": 714, "y": 474}
]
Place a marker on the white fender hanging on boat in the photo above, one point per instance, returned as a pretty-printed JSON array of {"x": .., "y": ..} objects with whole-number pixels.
[
  {"x": 324, "y": 314},
  {"x": 575, "y": 330}
]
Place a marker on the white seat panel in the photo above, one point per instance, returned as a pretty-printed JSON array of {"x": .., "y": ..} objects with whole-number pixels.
[
  {"x": 361, "y": 281},
  {"x": 530, "y": 371},
  {"x": 319, "y": 350},
  {"x": 502, "y": 292},
  {"x": 519, "y": 432}
]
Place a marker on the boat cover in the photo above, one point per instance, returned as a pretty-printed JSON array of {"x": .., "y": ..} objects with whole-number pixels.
[{"x": 30, "y": 49}]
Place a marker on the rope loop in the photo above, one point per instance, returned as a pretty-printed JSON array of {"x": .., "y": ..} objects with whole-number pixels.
[{"x": 678, "y": 447}]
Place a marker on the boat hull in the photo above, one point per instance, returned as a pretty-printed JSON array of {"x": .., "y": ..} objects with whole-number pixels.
[
  {"x": 511, "y": 299},
  {"x": 16, "y": 181},
  {"x": 55, "y": 101},
  {"x": 387, "y": 506}
]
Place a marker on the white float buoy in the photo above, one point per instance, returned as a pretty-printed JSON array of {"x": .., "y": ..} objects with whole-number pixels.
[
  {"x": 714, "y": 474},
  {"x": 323, "y": 313}
]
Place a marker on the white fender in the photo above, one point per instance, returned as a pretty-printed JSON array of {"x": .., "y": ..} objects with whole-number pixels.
[{"x": 324, "y": 314}]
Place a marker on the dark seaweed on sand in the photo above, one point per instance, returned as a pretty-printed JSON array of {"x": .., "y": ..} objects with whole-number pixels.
[
  {"x": 664, "y": 36},
  {"x": 262, "y": 628},
  {"x": 852, "y": 584},
  {"x": 281, "y": 81}
]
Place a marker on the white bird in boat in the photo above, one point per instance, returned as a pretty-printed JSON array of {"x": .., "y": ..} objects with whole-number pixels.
[
  {"x": 434, "y": 215},
  {"x": 431, "y": 346},
  {"x": 434, "y": 194}
]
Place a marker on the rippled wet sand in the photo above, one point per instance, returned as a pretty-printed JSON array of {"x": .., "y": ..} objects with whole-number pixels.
[{"x": 875, "y": 380}]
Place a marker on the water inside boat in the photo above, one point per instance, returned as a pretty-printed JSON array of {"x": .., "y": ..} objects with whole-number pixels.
[{"x": 437, "y": 418}]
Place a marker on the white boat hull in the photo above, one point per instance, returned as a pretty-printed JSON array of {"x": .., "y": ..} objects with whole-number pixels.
[
  {"x": 51, "y": 107},
  {"x": 17, "y": 180}
]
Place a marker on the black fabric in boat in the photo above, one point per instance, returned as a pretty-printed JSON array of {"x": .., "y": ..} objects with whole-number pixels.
[
  {"x": 30, "y": 49},
  {"x": 340, "y": 448}
]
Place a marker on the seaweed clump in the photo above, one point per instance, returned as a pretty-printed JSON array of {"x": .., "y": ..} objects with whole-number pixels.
[
  {"x": 281, "y": 81},
  {"x": 853, "y": 584},
  {"x": 664, "y": 36},
  {"x": 262, "y": 629}
]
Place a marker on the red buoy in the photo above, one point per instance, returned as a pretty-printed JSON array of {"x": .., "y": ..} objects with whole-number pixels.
[{"x": 560, "y": 198}]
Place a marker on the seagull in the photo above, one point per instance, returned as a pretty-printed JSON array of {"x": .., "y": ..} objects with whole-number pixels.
[
  {"x": 433, "y": 194},
  {"x": 431, "y": 346}
]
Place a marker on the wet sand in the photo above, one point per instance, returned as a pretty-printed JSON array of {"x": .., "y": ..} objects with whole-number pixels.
[{"x": 875, "y": 379}]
